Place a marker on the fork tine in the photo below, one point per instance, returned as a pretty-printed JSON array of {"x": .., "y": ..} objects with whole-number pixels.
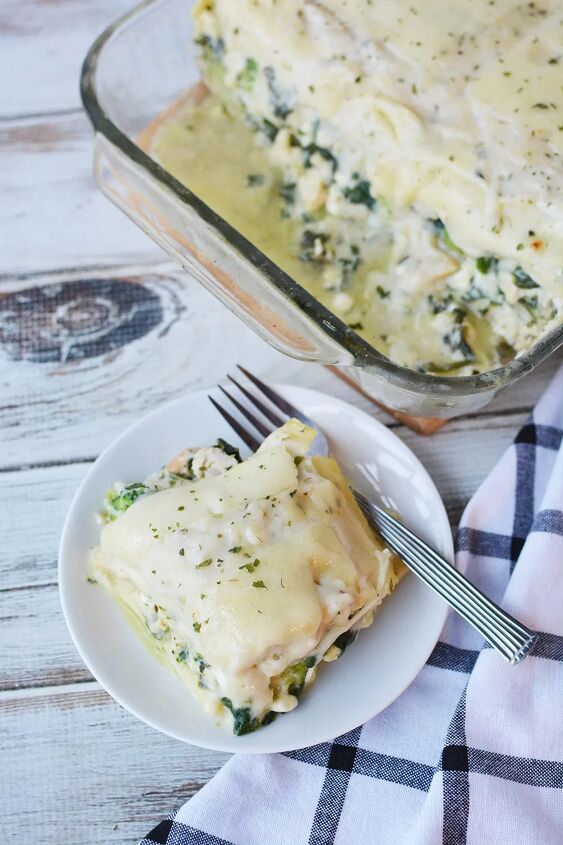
[
  {"x": 252, "y": 419},
  {"x": 268, "y": 413},
  {"x": 244, "y": 435},
  {"x": 272, "y": 395}
]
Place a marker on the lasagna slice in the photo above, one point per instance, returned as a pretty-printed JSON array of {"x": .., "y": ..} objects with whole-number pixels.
[{"x": 243, "y": 576}]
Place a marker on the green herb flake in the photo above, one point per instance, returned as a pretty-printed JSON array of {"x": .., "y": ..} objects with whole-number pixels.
[
  {"x": 182, "y": 552},
  {"x": 259, "y": 585},
  {"x": 235, "y": 550},
  {"x": 250, "y": 567},
  {"x": 181, "y": 507},
  {"x": 204, "y": 563},
  {"x": 197, "y": 627}
]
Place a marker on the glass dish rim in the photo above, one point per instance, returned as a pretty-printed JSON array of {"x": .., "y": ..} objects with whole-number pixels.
[{"x": 364, "y": 355}]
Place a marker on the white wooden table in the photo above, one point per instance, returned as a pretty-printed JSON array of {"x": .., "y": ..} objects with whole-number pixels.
[{"x": 96, "y": 328}]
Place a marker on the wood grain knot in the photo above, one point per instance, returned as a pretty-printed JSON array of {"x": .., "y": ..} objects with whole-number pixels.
[{"x": 72, "y": 321}]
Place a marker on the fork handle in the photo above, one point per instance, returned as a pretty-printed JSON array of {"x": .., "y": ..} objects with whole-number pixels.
[{"x": 504, "y": 633}]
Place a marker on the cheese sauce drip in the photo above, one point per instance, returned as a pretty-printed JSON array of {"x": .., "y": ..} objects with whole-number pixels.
[{"x": 402, "y": 162}]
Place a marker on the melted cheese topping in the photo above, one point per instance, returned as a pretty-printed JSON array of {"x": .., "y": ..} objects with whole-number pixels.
[
  {"x": 457, "y": 107},
  {"x": 418, "y": 148},
  {"x": 244, "y": 578}
]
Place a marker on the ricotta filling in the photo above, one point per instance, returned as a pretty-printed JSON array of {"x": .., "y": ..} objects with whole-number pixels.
[{"x": 401, "y": 162}]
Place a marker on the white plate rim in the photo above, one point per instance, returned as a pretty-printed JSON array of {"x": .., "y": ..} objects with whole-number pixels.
[{"x": 229, "y": 746}]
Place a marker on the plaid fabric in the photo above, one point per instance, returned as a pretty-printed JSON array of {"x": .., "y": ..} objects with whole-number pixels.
[{"x": 472, "y": 752}]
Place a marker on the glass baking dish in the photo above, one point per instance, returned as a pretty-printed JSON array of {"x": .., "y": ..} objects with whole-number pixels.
[{"x": 139, "y": 67}]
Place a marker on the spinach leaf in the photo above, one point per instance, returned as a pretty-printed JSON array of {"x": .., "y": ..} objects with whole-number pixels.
[
  {"x": 314, "y": 149},
  {"x": 212, "y": 48},
  {"x": 279, "y": 100},
  {"x": 287, "y": 192},
  {"x": 126, "y": 497},
  {"x": 253, "y": 180},
  {"x": 244, "y": 722},
  {"x": 313, "y": 246},
  {"x": 247, "y": 77},
  {"x": 486, "y": 264},
  {"x": 293, "y": 678},
  {"x": 530, "y": 303},
  {"x": 457, "y": 343},
  {"x": 360, "y": 194},
  {"x": 344, "y": 640},
  {"x": 523, "y": 280},
  {"x": 444, "y": 237},
  {"x": 269, "y": 129},
  {"x": 228, "y": 449}
]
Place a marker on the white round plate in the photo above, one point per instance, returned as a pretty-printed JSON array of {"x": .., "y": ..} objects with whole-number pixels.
[{"x": 369, "y": 676}]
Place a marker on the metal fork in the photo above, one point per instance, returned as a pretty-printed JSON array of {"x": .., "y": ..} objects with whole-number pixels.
[{"x": 504, "y": 633}]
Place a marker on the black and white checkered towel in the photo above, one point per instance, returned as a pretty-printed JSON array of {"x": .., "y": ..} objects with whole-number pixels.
[{"x": 472, "y": 752}]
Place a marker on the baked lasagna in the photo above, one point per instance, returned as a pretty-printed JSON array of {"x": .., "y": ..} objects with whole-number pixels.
[
  {"x": 400, "y": 160},
  {"x": 244, "y": 576}
]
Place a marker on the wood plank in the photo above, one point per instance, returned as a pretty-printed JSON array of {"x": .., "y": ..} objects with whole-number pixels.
[
  {"x": 43, "y": 46},
  {"x": 462, "y": 454},
  {"x": 73, "y": 390},
  {"x": 53, "y": 214},
  {"x": 78, "y": 769},
  {"x": 96, "y": 351},
  {"x": 33, "y": 505},
  {"x": 35, "y": 646}
]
